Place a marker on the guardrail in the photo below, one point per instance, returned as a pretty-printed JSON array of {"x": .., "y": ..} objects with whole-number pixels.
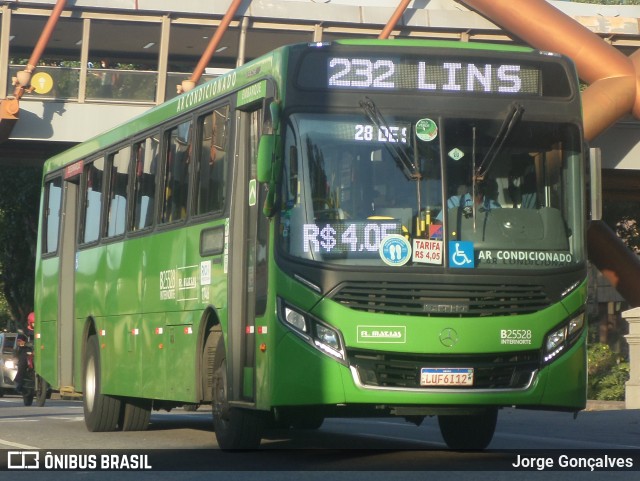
[{"x": 101, "y": 85}]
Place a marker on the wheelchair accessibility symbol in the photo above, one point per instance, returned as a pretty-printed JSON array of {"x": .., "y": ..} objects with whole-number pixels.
[{"x": 461, "y": 254}]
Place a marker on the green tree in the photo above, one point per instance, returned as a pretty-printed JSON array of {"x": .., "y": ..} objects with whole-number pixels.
[{"x": 19, "y": 198}]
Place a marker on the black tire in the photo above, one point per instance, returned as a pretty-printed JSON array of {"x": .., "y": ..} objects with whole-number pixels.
[
  {"x": 235, "y": 428},
  {"x": 471, "y": 431},
  {"x": 135, "y": 414},
  {"x": 101, "y": 412},
  {"x": 42, "y": 391}
]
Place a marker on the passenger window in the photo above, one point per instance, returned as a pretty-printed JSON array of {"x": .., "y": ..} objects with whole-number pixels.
[
  {"x": 144, "y": 186},
  {"x": 53, "y": 201},
  {"x": 212, "y": 162},
  {"x": 119, "y": 177},
  {"x": 176, "y": 173},
  {"x": 94, "y": 175}
]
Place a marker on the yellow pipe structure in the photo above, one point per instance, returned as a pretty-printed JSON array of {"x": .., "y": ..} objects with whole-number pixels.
[
  {"x": 189, "y": 84},
  {"x": 395, "y": 18},
  {"x": 614, "y": 91}
]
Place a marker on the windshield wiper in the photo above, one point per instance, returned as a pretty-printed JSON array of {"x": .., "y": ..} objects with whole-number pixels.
[
  {"x": 513, "y": 117},
  {"x": 403, "y": 160}
]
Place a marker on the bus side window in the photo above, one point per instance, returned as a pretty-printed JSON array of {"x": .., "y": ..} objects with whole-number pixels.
[
  {"x": 176, "y": 173},
  {"x": 119, "y": 177},
  {"x": 144, "y": 182},
  {"x": 51, "y": 219},
  {"x": 212, "y": 162},
  {"x": 92, "y": 201}
]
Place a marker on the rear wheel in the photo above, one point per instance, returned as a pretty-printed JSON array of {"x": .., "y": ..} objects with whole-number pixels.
[
  {"x": 101, "y": 412},
  {"x": 135, "y": 414},
  {"x": 235, "y": 428},
  {"x": 472, "y": 431}
]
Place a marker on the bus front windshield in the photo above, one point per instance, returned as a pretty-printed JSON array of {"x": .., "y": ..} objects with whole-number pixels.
[{"x": 404, "y": 192}]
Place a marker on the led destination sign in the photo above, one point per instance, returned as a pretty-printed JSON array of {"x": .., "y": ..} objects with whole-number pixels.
[
  {"x": 433, "y": 72},
  {"x": 432, "y": 75}
]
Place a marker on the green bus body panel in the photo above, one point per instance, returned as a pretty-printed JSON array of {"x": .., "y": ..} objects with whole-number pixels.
[
  {"x": 46, "y": 342},
  {"x": 560, "y": 384},
  {"x": 146, "y": 299},
  {"x": 304, "y": 376},
  {"x": 46, "y": 351}
]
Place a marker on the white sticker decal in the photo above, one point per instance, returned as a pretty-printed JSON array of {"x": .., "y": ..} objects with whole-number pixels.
[
  {"x": 427, "y": 251},
  {"x": 395, "y": 250}
]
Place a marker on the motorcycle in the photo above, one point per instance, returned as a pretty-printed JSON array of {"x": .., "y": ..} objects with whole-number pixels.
[{"x": 33, "y": 386}]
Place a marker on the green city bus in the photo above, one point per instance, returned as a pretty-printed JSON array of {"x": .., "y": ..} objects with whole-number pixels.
[{"x": 361, "y": 228}]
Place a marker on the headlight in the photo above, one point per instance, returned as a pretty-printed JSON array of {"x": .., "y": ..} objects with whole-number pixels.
[
  {"x": 316, "y": 333},
  {"x": 9, "y": 364},
  {"x": 296, "y": 320},
  {"x": 562, "y": 337}
]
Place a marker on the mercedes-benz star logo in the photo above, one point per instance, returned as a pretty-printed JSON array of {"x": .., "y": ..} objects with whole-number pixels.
[{"x": 448, "y": 337}]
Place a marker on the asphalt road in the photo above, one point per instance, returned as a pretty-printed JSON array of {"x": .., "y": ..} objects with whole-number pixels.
[{"x": 184, "y": 442}]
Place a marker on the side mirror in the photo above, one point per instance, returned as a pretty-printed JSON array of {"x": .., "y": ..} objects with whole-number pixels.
[
  {"x": 266, "y": 148},
  {"x": 267, "y": 155}
]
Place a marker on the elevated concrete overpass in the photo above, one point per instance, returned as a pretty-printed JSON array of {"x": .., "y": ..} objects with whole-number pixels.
[
  {"x": 160, "y": 41},
  {"x": 154, "y": 44}
]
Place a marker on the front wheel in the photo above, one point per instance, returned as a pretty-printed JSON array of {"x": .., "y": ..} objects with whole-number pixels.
[
  {"x": 235, "y": 428},
  {"x": 42, "y": 391},
  {"x": 101, "y": 412},
  {"x": 472, "y": 431}
]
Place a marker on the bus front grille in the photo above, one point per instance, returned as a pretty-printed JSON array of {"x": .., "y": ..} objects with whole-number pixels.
[
  {"x": 491, "y": 371},
  {"x": 442, "y": 300}
]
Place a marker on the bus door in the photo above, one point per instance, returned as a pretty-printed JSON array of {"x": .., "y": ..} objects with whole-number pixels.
[
  {"x": 67, "y": 271},
  {"x": 247, "y": 251}
]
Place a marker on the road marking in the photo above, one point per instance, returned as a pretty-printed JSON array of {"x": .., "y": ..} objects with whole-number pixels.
[{"x": 4, "y": 442}]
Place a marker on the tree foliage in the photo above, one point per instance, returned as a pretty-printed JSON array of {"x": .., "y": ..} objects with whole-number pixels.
[
  {"x": 19, "y": 198},
  {"x": 608, "y": 374}
]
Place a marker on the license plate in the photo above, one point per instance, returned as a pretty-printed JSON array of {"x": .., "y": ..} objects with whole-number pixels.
[{"x": 446, "y": 376}]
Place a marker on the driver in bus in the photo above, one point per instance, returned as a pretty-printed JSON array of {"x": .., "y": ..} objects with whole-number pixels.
[{"x": 486, "y": 195}]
